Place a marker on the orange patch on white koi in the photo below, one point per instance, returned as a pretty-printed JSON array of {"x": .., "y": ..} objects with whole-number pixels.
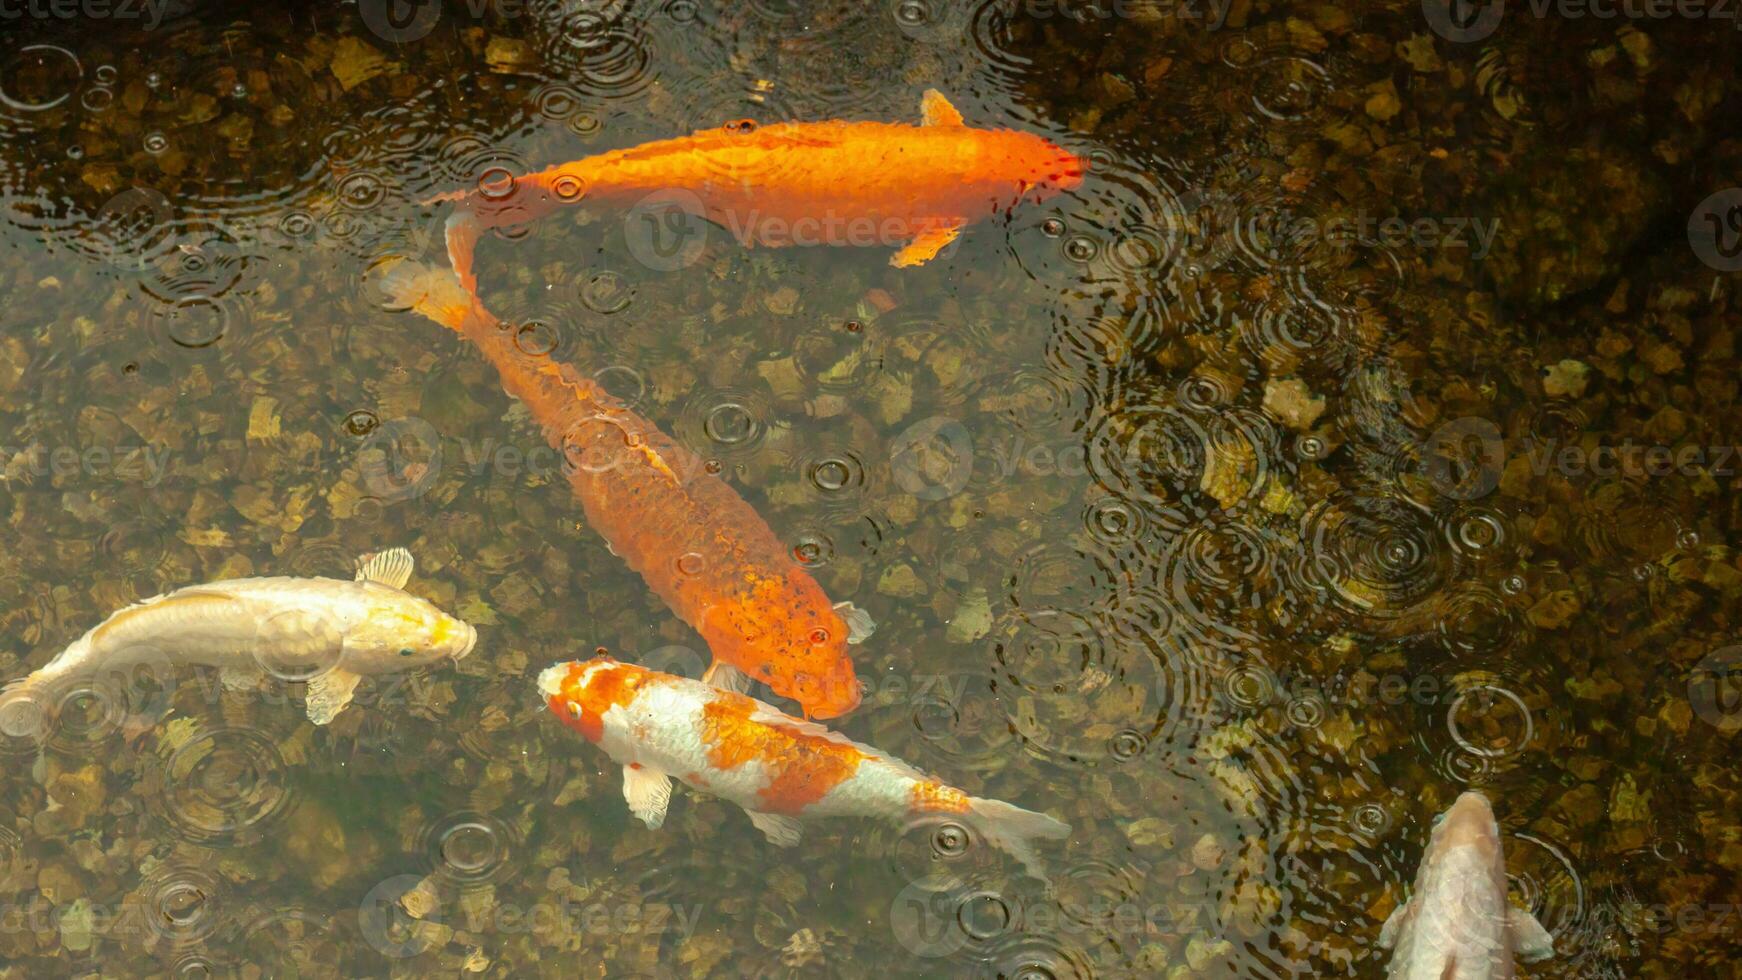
[
  {"x": 802, "y": 766},
  {"x": 936, "y": 797}
]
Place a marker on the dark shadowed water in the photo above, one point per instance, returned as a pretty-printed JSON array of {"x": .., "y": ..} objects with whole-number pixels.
[{"x": 1362, "y": 430}]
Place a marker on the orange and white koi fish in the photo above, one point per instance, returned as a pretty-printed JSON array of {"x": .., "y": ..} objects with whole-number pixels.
[
  {"x": 777, "y": 767},
  {"x": 700, "y": 546},
  {"x": 332, "y": 632},
  {"x": 799, "y": 183}
]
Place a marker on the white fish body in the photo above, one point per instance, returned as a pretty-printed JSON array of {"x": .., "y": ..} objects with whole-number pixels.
[
  {"x": 1457, "y": 924},
  {"x": 329, "y": 632},
  {"x": 778, "y": 768}
]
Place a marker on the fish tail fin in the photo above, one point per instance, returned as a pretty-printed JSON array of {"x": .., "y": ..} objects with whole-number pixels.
[
  {"x": 430, "y": 291},
  {"x": 1015, "y": 830},
  {"x": 463, "y": 231},
  {"x": 25, "y": 707}
]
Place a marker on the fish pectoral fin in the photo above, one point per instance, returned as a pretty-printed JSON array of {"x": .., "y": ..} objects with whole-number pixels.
[
  {"x": 860, "y": 625},
  {"x": 1530, "y": 941},
  {"x": 240, "y": 678},
  {"x": 1388, "y": 931},
  {"x": 391, "y": 568},
  {"x": 926, "y": 245},
  {"x": 329, "y": 693},
  {"x": 781, "y": 830},
  {"x": 935, "y": 110},
  {"x": 1450, "y": 971},
  {"x": 649, "y": 794},
  {"x": 727, "y": 677}
]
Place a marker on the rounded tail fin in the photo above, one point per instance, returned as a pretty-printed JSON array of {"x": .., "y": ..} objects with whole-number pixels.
[{"x": 433, "y": 292}]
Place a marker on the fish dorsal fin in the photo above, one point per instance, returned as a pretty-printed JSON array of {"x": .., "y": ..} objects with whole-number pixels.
[
  {"x": 1530, "y": 941},
  {"x": 648, "y": 792},
  {"x": 391, "y": 568},
  {"x": 935, "y": 110}
]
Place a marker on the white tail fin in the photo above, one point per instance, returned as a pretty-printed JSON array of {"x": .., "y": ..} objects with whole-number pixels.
[
  {"x": 1014, "y": 829},
  {"x": 433, "y": 292}
]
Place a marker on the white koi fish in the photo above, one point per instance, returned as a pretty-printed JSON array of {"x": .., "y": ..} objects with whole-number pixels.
[
  {"x": 1458, "y": 925},
  {"x": 329, "y": 632},
  {"x": 777, "y": 767}
]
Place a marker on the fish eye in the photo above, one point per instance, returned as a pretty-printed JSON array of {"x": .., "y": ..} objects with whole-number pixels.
[
  {"x": 407, "y": 652},
  {"x": 575, "y": 710}
]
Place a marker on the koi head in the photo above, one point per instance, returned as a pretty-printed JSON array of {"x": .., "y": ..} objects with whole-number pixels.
[
  {"x": 828, "y": 693},
  {"x": 1469, "y": 823},
  {"x": 399, "y": 631},
  {"x": 820, "y": 677},
  {"x": 579, "y": 693}
]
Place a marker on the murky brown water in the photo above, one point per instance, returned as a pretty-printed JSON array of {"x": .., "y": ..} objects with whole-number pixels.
[{"x": 1361, "y": 431}]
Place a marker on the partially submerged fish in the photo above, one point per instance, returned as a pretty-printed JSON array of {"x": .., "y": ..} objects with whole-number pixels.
[
  {"x": 777, "y": 767},
  {"x": 800, "y": 183},
  {"x": 700, "y": 546},
  {"x": 330, "y": 632},
  {"x": 1457, "y": 925}
]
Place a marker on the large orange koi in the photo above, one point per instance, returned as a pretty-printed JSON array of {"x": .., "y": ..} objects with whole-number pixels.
[
  {"x": 802, "y": 183},
  {"x": 700, "y": 546}
]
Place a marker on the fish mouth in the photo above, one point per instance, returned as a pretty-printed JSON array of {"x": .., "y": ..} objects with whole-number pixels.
[{"x": 550, "y": 680}]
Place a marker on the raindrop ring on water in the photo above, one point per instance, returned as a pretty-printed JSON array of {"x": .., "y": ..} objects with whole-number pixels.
[
  {"x": 1250, "y": 687},
  {"x": 951, "y": 840},
  {"x": 223, "y": 783},
  {"x": 1489, "y": 692},
  {"x": 1128, "y": 744},
  {"x": 1370, "y": 820},
  {"x": 1305, "y": 711}
]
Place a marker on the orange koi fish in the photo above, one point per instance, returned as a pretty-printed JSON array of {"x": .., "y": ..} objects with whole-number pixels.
[
  {"x": 823, "y": 183},
  {"x": 700, "y": 546},
  {"x": 777, "y": 767}
]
